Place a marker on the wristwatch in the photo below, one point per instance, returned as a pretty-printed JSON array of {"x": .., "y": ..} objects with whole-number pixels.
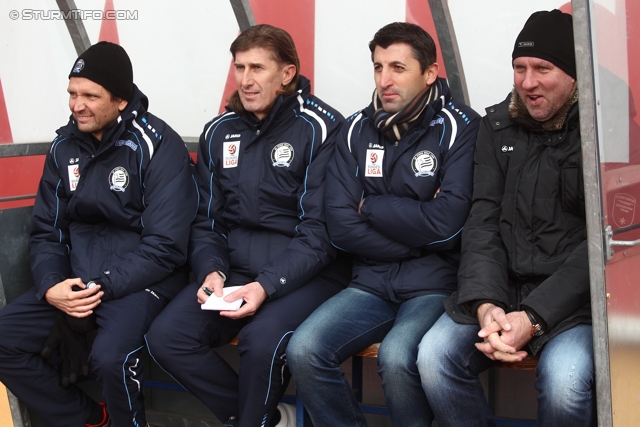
[
  {"x": 92, "y": 283},
  {"x": 536, "y": 327}
]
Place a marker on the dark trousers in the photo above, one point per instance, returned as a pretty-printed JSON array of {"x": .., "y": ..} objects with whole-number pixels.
[
  {"x": 182, "y": 340},
  {"x": 24, "y": 328}
]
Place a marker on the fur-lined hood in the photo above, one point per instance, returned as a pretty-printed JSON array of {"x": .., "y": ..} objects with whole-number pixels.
[{"x": 555, "y": 123}]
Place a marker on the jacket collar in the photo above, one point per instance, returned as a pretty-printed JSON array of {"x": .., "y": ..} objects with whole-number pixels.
[{"x": 428, "y": 112}]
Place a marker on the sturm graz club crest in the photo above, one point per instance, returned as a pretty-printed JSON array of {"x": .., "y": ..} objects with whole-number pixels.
[
  {"x": 424, "y": 163},
  {"x": 79, "y": 66},
  {"x": 282, "y": 155},
  {"x": 119, "y": 179}
]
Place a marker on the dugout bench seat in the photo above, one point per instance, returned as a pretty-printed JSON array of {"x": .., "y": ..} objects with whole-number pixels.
[{"x": 15, "y": 279}]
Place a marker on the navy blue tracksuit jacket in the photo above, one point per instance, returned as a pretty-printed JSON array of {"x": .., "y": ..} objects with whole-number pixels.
[
  {"x": 417, "y": 197},
  {"x": 261, "y": 218},
  {"x": 117, "y": 211},
  {"x": 109, "y": 212},
  {"x": 261, "y": 194}
]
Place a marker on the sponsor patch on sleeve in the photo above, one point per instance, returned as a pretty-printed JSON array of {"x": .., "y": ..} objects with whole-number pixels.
[{"x": 126, "y": 142}]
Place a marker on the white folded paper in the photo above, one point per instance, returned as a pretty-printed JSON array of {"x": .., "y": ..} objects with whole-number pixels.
[{"x": 217, "y": 303}]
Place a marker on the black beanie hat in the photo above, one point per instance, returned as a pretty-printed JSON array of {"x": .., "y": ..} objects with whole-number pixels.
[
  {"x": 108, "y": 65},
  {"x": 548, "y": 36}
]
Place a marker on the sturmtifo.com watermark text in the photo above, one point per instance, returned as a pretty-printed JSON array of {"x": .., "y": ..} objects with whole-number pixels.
[{"x": 75, "y": 14}]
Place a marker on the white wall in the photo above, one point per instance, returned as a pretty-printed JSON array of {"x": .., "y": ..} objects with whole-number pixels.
[
  {"x": 486, "y": 31},
  {"x": 180, "y": 55}
]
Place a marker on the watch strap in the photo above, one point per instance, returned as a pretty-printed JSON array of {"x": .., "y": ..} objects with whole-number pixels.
[{"x": 536, "y": 327}]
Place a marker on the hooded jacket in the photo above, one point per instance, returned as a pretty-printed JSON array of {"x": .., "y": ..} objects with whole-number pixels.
[
  {"x": 116, "y": 211},
  {"x": 417, "y": 195},
  {"x": 261, "y": 193},
  {"x": 524, "y": 244}
]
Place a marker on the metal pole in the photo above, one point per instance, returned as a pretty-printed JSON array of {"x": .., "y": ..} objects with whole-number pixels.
[
  {"x": 244, "y": 14},
  {"x": 75, "y": 26},
  {"x": 449, "y": 49},
  {"x": 582, "y": 13}
]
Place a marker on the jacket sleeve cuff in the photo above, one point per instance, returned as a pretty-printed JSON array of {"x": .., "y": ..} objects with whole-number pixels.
[
  {"x": 365, "y": 209},
  {"x": 105, "y": 286},
  {"x": 200, "y": 278},
  {"x": 267, "y": 285},
  {"x": 202, "y": 270},
  {"x": 536, "y": 316},
  {"x": 475, "y": 304},
  {"x": 47, "y": 283}
]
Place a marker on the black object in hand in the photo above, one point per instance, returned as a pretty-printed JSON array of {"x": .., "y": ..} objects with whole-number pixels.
[{"x": 72, "y": 337}]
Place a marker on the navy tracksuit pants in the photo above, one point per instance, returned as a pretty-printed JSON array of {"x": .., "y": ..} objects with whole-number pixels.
[
  {"x": 183, "y": 337},
  {"x": 25, "y": 325}
]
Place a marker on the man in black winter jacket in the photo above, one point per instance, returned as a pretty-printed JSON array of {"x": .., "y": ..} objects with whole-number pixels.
[
  {"x": 523, "y": 279},
  {"x": 107, "y": 249}
]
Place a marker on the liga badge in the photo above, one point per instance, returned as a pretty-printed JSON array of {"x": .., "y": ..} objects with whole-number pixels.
[
  {"x": 373, "y": 164},
  {"x": 230, "y": 154},
  {"x": 74, "y": 176}
]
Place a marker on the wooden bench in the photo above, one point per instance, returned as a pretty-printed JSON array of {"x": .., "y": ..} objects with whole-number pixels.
[{"x": 528, "y": 364}]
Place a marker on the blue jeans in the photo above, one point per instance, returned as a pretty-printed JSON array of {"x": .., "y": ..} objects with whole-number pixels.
[
  {"x": 346, "y": 324},
  {"x": 449, "y": 365}
]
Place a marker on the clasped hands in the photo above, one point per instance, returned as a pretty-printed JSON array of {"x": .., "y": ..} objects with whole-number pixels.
[{"x": 504, "y": 334}]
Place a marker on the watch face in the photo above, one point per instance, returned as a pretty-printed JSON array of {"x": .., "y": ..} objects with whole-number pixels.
[{"x": 91, "y": 284}]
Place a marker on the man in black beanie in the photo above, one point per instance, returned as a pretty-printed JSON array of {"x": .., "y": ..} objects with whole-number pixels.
[
  {"x": 523, "y": 279},
  {"x": 108, "y": 245}
]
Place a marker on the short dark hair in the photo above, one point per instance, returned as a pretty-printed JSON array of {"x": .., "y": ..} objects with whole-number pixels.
[
  {"x": 422, "y": 45},
  {"x": 281, "y": 46}
]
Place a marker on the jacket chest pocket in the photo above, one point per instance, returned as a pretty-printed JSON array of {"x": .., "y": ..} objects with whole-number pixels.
[{"x": 572, "y": 190}]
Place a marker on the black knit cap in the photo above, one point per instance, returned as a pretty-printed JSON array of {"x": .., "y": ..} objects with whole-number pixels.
[
  {"x": 108, "y": 65},
  {"x": 548, "y": 36}
]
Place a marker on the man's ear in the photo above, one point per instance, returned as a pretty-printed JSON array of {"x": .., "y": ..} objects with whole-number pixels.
[
  {"x": 122, "y": 104},
  {"x": 288, "y": 73},
  {"x": 431, "y": 74}
]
